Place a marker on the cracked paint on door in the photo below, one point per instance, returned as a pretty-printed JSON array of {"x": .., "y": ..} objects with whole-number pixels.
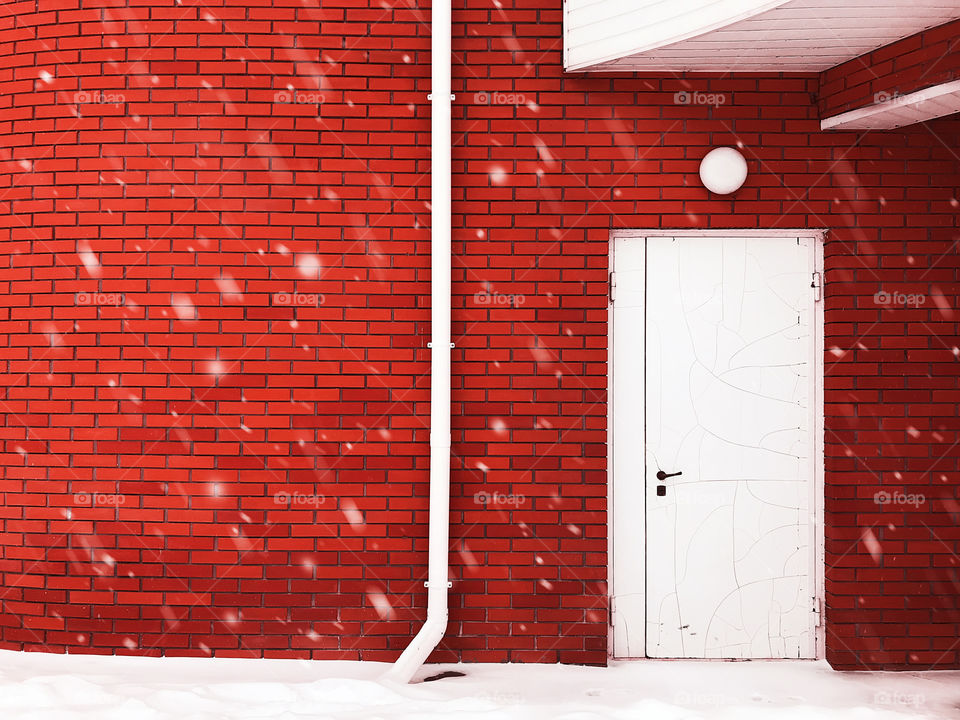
[{"x": 728, "y": 388}]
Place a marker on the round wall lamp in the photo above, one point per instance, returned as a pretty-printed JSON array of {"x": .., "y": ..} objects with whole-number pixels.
[{"x": 723, "y": 170}]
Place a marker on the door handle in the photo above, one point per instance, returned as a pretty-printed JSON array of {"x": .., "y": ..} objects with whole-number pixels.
[{"x": 661, "y": 475}]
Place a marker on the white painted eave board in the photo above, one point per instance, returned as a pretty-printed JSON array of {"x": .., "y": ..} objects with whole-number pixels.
[
  {"x": 927, "y": 104},
  {"x": 738, "y": 35}
]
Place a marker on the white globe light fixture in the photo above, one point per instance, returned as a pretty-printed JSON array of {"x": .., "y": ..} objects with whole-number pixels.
[{"x": 723, "y": 170}]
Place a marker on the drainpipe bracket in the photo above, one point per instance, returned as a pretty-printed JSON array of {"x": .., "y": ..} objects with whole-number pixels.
[
  {"x": 452, "y": 345},
  {"x": 426, "y": 584}
]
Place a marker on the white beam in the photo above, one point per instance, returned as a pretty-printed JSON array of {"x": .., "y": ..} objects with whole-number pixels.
[{"x": 900, "y": 110}]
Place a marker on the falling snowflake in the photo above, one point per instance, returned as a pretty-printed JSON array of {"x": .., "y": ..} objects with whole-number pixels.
[
  {"x": 467, "y": 556},
  {"x": 183, "y": 307},
  {"x": 353, "y": 514},
  {"x": 229, "y": 288},
  {"x": 381, "y": 604},
  {"x": 872, "y": 545},
  {"x": 309, "y": 265},
  {"x": 943, "y": 305},
  {"x": 89, "y": 260}
]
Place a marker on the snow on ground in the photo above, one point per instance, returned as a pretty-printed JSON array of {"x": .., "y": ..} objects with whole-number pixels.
[{"x": 36, "y": 686}]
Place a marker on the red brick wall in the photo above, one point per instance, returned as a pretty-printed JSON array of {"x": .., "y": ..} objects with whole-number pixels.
[
  {"x": 215, "y": 195},
  {"x": 914, "y": 63}
]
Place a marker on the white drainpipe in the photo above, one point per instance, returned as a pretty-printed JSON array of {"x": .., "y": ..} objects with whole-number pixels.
[{"x": 440, "y": 258}]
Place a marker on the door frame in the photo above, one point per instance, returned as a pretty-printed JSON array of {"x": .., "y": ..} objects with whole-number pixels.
[{"x": 635, "y": 495}]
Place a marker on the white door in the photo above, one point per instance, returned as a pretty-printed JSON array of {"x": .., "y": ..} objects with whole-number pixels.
[{"x": 715, "y": 369}]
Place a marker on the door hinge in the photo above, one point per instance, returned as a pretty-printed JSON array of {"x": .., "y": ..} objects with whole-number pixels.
[
  {"x": 613, "y": 287},
  {"x": 818, "y": 610},
  {"x": 817, "y": 284}
]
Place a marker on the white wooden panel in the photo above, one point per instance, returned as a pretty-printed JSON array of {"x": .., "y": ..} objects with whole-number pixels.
[
  {"x": 605, "y": 30},
  {"x": 795, "y": 36}
]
